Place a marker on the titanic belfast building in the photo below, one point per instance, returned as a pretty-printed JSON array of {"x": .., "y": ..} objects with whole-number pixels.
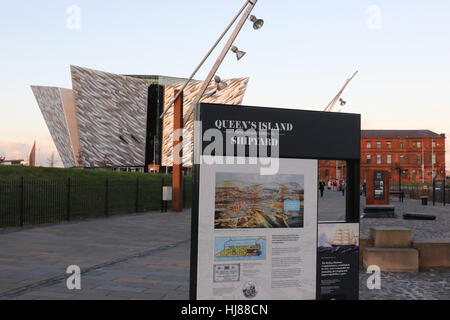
[{"x": 114, "y": 120}]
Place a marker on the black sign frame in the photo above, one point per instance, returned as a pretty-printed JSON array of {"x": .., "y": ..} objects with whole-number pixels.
[
  {"x": 315, "y": 135},
  {"x": 439, "y": 184}
]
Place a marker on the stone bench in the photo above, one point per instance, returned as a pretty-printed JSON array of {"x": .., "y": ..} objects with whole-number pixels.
[
  {"x": 379, "y": 211},
  {"x": 433, "y": 253},
  {"x": 391, "y": 237},
  {"x": 392, "y": 259},
  {"x": 418, "y": 216}
]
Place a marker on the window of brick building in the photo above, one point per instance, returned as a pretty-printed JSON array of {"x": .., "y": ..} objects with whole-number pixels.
[
  {"x": 419, "y": 159},
  {"x": 368, "y": 159},
  {"x": 389, "y": 144},
  {"x": 378, "y": 144},
  {"x": 402, "y": 159},
  {"x": 419, "y": 144},
  {"x": 402, "y": 144},
  {"x": 368, "y": 145},
  {"x": 378, "y": 159},
  {"x": 389, "y": 159}
]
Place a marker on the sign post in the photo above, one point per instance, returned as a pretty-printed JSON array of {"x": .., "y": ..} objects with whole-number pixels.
[
  {"x": 255, "y": 231},
  {"x": 177, "y": 179},
  {"x": 439, "y": 187}
]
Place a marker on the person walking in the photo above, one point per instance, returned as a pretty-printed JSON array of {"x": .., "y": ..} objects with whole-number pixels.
[
  {"x": 321, "y": 188},
  {"x": 364, "y": 188},
  {"x": 343, "y": 187}
]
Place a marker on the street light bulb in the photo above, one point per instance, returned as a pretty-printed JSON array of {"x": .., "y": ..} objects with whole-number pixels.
[
  {"x": 257, "y": 23},
  {"x": 239, "y": 54},
  {"x": 220, "y": 84}
]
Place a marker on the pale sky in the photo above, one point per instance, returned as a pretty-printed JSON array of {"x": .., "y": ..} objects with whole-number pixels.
[{"x": 299, "y": 59}]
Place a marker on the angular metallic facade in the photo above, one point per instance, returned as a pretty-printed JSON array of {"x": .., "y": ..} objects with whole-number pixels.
[
  {"x": 50, "y": 102},
  {"x": 102, "y": 121},
  {"x": 112, "y": 117},
  {"x": 233, "y": 94}
]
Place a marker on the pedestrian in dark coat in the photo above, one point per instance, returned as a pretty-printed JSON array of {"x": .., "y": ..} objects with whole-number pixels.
[{"x": 321, "y": 188}]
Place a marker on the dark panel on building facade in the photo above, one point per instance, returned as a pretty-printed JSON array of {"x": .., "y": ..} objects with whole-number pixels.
[{"x": 154, "y": 125}]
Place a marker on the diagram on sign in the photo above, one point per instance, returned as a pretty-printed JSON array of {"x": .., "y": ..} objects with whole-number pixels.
[
  {"x": 255, "y": 201},
  {"x": 240, "y": 248}
]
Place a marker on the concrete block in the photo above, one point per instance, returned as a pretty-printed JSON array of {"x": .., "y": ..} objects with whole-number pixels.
[
  {"x": 392, "y": 259},
  {"x": 364, "y": 243},
  {"x": 433, "y": 253},
  {"x": 391, "y": 237},
  {"x": 418, "y": 216}
]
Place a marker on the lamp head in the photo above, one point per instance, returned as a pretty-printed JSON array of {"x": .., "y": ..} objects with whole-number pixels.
[
  {"x": 257, "y": 23},
  {"x": 239, "y": 54}
]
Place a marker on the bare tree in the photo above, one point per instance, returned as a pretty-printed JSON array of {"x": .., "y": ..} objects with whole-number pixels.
[{"x": 52, "y": 161}]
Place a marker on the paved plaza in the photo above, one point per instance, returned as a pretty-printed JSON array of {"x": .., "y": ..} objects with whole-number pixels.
[{"x": 146, "y": 256}]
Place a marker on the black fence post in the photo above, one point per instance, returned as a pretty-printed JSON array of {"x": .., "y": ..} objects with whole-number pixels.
[
  {"x": 434, "y": 191},
  {"x": 21, "y": 202},
  {"x": 443, "y": 195},
  {"x": 184, "y": 192},
  {"x": 137, "y": 195},
  {"x": 68, "y": 199},
  {"x": 445, "y": 199},
  {"x": 161, "y": 194},
  {"x": 106, "y": 196}
]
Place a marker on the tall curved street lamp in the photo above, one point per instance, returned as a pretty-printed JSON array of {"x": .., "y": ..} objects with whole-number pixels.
[{"x": 257, "y": 24}]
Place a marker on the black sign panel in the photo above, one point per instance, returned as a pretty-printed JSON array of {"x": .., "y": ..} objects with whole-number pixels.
[
  {"x": 439, "y": 185},
  {"x": 338, "y": 261},
  {"x": 302, "y": 134},
  {"x": 378, "y": 185}
]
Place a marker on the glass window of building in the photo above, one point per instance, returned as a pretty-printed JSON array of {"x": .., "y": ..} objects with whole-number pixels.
[
  {"x": 368, "y": 145},
  {"x": 368, "y": 158},
  {"x": 419, "y": 159},
  {"x": 389, "y": 159},
  {"x": 389, "y": 144},
  {"x": 433, "y": 159},
  {"x": 402, "y": 159},
  {"x": 402, "y": 145},
  {"x": 419, "y": 144},
  {"x": 433, "y": 144},
  {"x": 378, "y": 144},
  {"x": 378, "y": 159}
]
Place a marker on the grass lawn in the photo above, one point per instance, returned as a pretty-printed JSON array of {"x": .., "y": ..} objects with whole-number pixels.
[{"x": 47, "y": 196}]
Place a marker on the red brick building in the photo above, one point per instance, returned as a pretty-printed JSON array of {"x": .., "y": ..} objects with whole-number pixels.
[{"x": 418, "y": 153}]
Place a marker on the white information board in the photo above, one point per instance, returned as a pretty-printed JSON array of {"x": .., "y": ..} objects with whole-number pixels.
[{"x": 257, "y": 234}]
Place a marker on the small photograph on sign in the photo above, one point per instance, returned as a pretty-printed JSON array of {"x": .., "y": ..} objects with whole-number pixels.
[
  {"x": 338, "y": 237},
  {"x": 227, "y": 272},
  {"x": 254, "y": 201},
  {"x": 240, "y": 248}
]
